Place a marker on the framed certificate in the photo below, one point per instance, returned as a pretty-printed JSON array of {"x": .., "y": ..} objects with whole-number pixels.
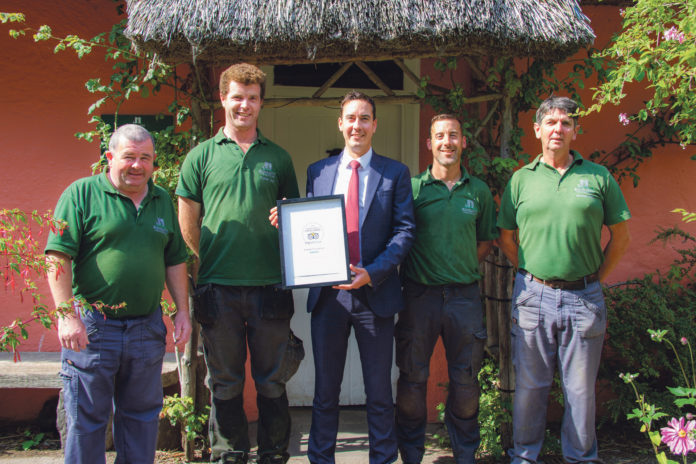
[{"x": 313, "y": 242}]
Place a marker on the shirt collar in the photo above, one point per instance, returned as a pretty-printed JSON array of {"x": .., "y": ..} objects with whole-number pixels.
[
  {"x": 364, "y": 160},
  {"x": 426, "y": 177},
  {"x": 577, "y": 158},
  {"x": 108, "y": 187},
  {"x": 220, "y": 138}
]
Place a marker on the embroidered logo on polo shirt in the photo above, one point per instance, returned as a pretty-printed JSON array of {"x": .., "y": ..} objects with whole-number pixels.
[
  {"x": 583, "y": 189},
  {"x": 469, "y": 207},
  {"x": 160, "y": 226},
  {"x": 266, "y": 172}
]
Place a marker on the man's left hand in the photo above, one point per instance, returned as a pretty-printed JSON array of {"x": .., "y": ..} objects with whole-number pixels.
[
  {"x": 182, "y": 328},
  {"x": 362, "y": 277}
]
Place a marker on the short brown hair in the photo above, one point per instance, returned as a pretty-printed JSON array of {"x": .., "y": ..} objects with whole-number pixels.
[
  {"x": 243, "y": 73},
  {"x": 355, "y": 95},
  {"x": 442, "y": 117}
]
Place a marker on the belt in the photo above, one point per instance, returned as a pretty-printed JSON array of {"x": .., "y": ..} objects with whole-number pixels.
[
  {"x": 579, "y": 284},
  {"x": 453, "y": 286}
]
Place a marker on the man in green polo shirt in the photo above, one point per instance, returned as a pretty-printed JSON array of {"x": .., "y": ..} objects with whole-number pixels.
[
  {"x": 227, "y": 186},
  {"x": 551, "y": 218},
  {"x": 121, "y": 244},
  {"x": 455, "y": 226}
]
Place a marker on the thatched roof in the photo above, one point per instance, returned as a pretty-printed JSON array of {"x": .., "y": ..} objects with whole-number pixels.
[{"x": 302, "y": 31}]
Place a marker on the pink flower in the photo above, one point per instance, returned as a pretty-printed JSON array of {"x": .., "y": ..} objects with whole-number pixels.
[
  {"x": 684, "y": 341},
  {"x": 623, "y": 119},
  {"x": 679, "y": 436},
  {"x": 622, "y": 12},
  {"x": 673, "y": 34}
]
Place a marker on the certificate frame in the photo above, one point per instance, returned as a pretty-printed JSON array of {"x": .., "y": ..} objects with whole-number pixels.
[{"x": 313, "y": 242}]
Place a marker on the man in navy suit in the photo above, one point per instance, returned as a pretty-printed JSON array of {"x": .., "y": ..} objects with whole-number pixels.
[{"x": 368, "y": 304}]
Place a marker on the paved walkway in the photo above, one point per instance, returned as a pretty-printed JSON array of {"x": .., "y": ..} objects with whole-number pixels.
[{"x": 352, "y": 446}]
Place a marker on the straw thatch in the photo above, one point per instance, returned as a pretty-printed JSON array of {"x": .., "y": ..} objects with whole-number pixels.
[{"x": 302, "y": 31}]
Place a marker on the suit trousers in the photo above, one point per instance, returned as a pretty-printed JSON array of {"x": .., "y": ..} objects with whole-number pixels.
[
  {"x": 556, "y": 327},
  {"x": 332, "y": 318}
]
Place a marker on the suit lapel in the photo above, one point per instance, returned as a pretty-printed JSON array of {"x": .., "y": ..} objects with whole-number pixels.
[
  {"x": 373, "y": 179},
  {"x": 327, "y": 179}
]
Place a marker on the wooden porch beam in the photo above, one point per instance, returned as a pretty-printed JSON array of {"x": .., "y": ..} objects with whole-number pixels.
[
  {"x": 375, "y": 78},
  {"x": 335, "y": 102},
  {"x": 332, "y": 79},
  {"x": 283, "y": 102}
]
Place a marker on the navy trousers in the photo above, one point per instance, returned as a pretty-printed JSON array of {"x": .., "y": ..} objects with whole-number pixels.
[
  {"x": 334, "y": 315},
  {"x": 120, "y": 370}
]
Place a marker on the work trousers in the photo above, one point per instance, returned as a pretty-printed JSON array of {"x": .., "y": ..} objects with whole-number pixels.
[
  {"x": 556, "y": 327},
  {"x": 453, "y": 312},
  {"x": 120, "y": 370},
  {"x": 257, "y": 317}
]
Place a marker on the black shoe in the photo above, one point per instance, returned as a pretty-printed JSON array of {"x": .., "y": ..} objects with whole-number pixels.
[
  {"x": 274, "y": 459},
  {"x": 238, "y": 457}
]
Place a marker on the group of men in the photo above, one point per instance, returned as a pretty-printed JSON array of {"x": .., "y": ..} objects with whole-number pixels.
[{"x": 123, "y": 242}]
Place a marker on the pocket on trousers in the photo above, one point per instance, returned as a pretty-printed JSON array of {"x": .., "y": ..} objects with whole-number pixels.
[
  {"x": 526, "y": 310},
  {"x": 404, "y": 356},
  {"x": 591, "y": 314},
  {"x": 477, "y": 351},
  {"x": 294, "y": 354},
  {"x": 276, "y": 303},
  {"x": 205, "y": 304},
  {"x": 413, "y": 290}
]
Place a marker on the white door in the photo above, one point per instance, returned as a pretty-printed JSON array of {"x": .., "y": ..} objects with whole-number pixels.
[{"x": 307, "y": 133}]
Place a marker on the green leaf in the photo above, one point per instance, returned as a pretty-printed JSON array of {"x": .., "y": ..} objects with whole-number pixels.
[{"x": 655, "y": 438}]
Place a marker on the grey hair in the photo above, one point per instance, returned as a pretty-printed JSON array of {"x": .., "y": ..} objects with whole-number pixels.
[
  {"x": 557, "y": 103},
  {"x": 130, "y": 132}
]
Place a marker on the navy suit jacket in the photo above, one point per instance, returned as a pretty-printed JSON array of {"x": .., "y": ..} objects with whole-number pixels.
[{"x": 386, "y": 232}]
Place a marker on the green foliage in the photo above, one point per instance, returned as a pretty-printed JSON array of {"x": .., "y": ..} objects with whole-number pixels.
[
  {"x": 493, "y": 410},
  {"x": 664, "y": 299},
  {"x": 21, "y": 264},
  {"x": 687, "y": 216},
  {"x": 648, "y": 414},
  {"x": 180, "y": 410},
  {"x": 31, "y": 439},
  {"x": 657, "y": 45}
]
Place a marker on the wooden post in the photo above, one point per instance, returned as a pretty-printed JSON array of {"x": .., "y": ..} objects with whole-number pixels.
[
  {"x": 192, "y": 380},
  {"x": 188, "y": 376},
  {"x": 504, "y": 292},
  {"x": 490, "y": 304}
]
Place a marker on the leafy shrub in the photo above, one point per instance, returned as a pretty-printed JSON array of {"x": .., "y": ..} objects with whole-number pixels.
[{"x": 657, "y": 300}]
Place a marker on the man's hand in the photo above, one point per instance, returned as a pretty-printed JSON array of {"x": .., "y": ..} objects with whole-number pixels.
[
  {"x": 361, "y": 277},
  {"x": 273, "y": 217},
  {"x": 182, "y": 328},
  {"x": 72, "y": 333}
]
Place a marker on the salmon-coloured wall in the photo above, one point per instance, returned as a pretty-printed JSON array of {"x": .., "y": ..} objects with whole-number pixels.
[{"x": 666, "y": 180}]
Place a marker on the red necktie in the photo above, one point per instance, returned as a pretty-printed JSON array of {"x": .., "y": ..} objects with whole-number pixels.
[{"x": 353, "y": 214}]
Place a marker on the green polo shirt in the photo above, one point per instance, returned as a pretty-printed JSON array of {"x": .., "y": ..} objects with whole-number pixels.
[
  {"x": 560, "y": 218},
  {"x": 449, "y": 223},
  {"x": 119, "y": 254},
  {"x": 238, "y": 244}
]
